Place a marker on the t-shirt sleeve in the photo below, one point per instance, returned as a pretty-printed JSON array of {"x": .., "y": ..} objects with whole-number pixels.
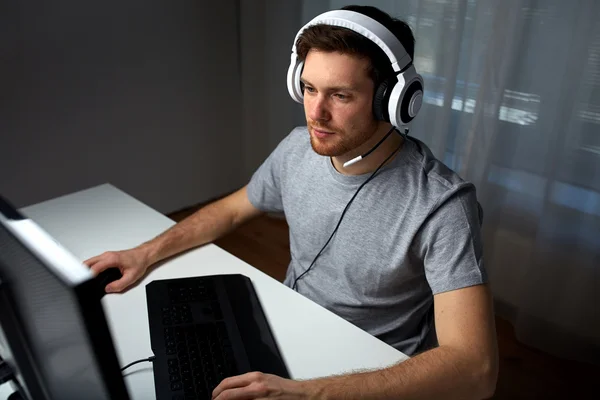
[
  {"x": 450, "y": 243},
  {"x": 264, "y": 188}
]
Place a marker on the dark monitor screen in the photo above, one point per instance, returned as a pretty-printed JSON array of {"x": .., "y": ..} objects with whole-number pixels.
[{"x": 53, "y": 330}]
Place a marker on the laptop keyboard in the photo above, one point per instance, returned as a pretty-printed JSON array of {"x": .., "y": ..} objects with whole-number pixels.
[{"x": 199, "y": 356}]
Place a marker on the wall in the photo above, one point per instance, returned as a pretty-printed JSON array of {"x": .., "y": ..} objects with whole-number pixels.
[
  {"x": 267, "y": 30},
  {"x": 141, "y": 94}
]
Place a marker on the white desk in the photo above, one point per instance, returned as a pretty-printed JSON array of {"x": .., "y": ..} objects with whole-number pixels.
[{"x": 313, "y": 341}]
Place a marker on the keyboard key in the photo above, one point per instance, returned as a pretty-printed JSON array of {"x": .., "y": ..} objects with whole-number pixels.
[
  {"x": 188, "y": 388},
  {"x": 217, "y": 310},
  {"x": 181, "y": 346},
  {"x": 202, "y": 392},
  {"x": 178, "y": 333}
]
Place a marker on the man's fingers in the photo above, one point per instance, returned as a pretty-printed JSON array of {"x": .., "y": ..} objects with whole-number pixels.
[
  {"x": 251, "y": 392},
  {"x": 116, "y": 286},
  {"x": 230, "y": 383},
  {"x": 246, "y": 386},
  {"x": 121, "y": 284},
  {"x": 101, "y": 266},
  {"x": 104, "y": 257},
  {"x": 91, "y": 261}
]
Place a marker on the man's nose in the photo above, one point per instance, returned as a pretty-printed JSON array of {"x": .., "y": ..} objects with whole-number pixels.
[{"x": 317, "y": 108}]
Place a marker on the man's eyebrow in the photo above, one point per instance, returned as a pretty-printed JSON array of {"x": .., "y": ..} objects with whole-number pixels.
[{"x": 333, "y": 88}]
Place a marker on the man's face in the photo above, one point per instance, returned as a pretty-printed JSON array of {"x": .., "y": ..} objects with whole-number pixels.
[{"x": 338, "y": 97}]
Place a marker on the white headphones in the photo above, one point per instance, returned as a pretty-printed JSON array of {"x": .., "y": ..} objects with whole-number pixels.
[{"x": 397, "y": 99}]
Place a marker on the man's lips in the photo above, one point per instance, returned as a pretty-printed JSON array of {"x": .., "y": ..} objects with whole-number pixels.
[{"x": 322, "y": 133}]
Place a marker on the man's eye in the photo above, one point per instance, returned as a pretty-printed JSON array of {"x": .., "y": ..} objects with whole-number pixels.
[
  {"x": 309, "y": 89},
  {"x": 341, "y": 96}
]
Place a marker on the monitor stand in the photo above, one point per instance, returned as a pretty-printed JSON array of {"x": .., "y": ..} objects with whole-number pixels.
[
  {"x": 7, "y": 375},
  {"x": 7, "y": 371}
]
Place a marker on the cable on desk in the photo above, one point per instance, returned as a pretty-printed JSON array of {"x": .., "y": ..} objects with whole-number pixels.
[{"x": 149, "y": 359}]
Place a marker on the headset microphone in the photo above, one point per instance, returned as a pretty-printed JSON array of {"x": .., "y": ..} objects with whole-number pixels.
[{"x": 357, "y": 159}]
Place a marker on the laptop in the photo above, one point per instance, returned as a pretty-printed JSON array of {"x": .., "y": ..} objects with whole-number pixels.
[{"x": 204, "y": 329}]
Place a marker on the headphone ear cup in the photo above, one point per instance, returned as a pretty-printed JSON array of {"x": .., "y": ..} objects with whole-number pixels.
[
  {"x": 405, "y": 98},
  {"x": 380, "y": 103},
  {"x": 411, "y": 101}
]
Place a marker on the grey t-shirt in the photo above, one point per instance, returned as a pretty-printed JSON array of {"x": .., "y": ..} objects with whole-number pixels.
[{"x": 412, "y": 232}]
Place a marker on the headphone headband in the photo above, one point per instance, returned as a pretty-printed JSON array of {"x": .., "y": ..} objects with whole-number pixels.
[{"x": 367, "y": 27}]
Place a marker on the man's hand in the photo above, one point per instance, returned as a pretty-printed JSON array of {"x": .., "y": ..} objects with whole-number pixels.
[
  {"x": 256, "y": 385},
  {"x": 132, "y": 263}
]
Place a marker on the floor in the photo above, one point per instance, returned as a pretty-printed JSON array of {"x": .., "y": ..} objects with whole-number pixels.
[{"x": 525, "y": 373}]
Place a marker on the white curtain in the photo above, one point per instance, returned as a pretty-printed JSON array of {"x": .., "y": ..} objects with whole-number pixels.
[{"x": 512, "y": 103}]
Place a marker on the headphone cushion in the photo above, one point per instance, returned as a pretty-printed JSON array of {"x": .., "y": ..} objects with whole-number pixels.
[
  {"x": 379, "y": 108},
  {"x": 293, "y": 80}
]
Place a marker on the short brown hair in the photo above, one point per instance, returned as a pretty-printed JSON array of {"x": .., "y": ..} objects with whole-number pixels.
[{"x": 336, "y": 39}]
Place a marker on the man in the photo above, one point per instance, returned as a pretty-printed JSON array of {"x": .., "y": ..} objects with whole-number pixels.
[{"x": 391, "y": 243}]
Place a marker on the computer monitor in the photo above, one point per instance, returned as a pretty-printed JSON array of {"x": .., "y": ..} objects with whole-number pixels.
[{"x": 53, "y": 331}]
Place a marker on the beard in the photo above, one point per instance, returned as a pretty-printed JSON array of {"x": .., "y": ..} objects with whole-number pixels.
[{"x": 340, "y": 142}]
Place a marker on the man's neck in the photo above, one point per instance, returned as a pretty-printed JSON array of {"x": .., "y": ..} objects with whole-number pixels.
[{"x": 373, "y": 160}]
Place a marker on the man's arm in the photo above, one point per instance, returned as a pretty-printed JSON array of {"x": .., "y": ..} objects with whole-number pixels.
[
  {"x": 204, "y": 226},
  {"x": 464, "y": 366}
]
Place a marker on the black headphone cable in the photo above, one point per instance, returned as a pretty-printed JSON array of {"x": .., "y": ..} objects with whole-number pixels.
[{"x": 350, "y": 202}]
